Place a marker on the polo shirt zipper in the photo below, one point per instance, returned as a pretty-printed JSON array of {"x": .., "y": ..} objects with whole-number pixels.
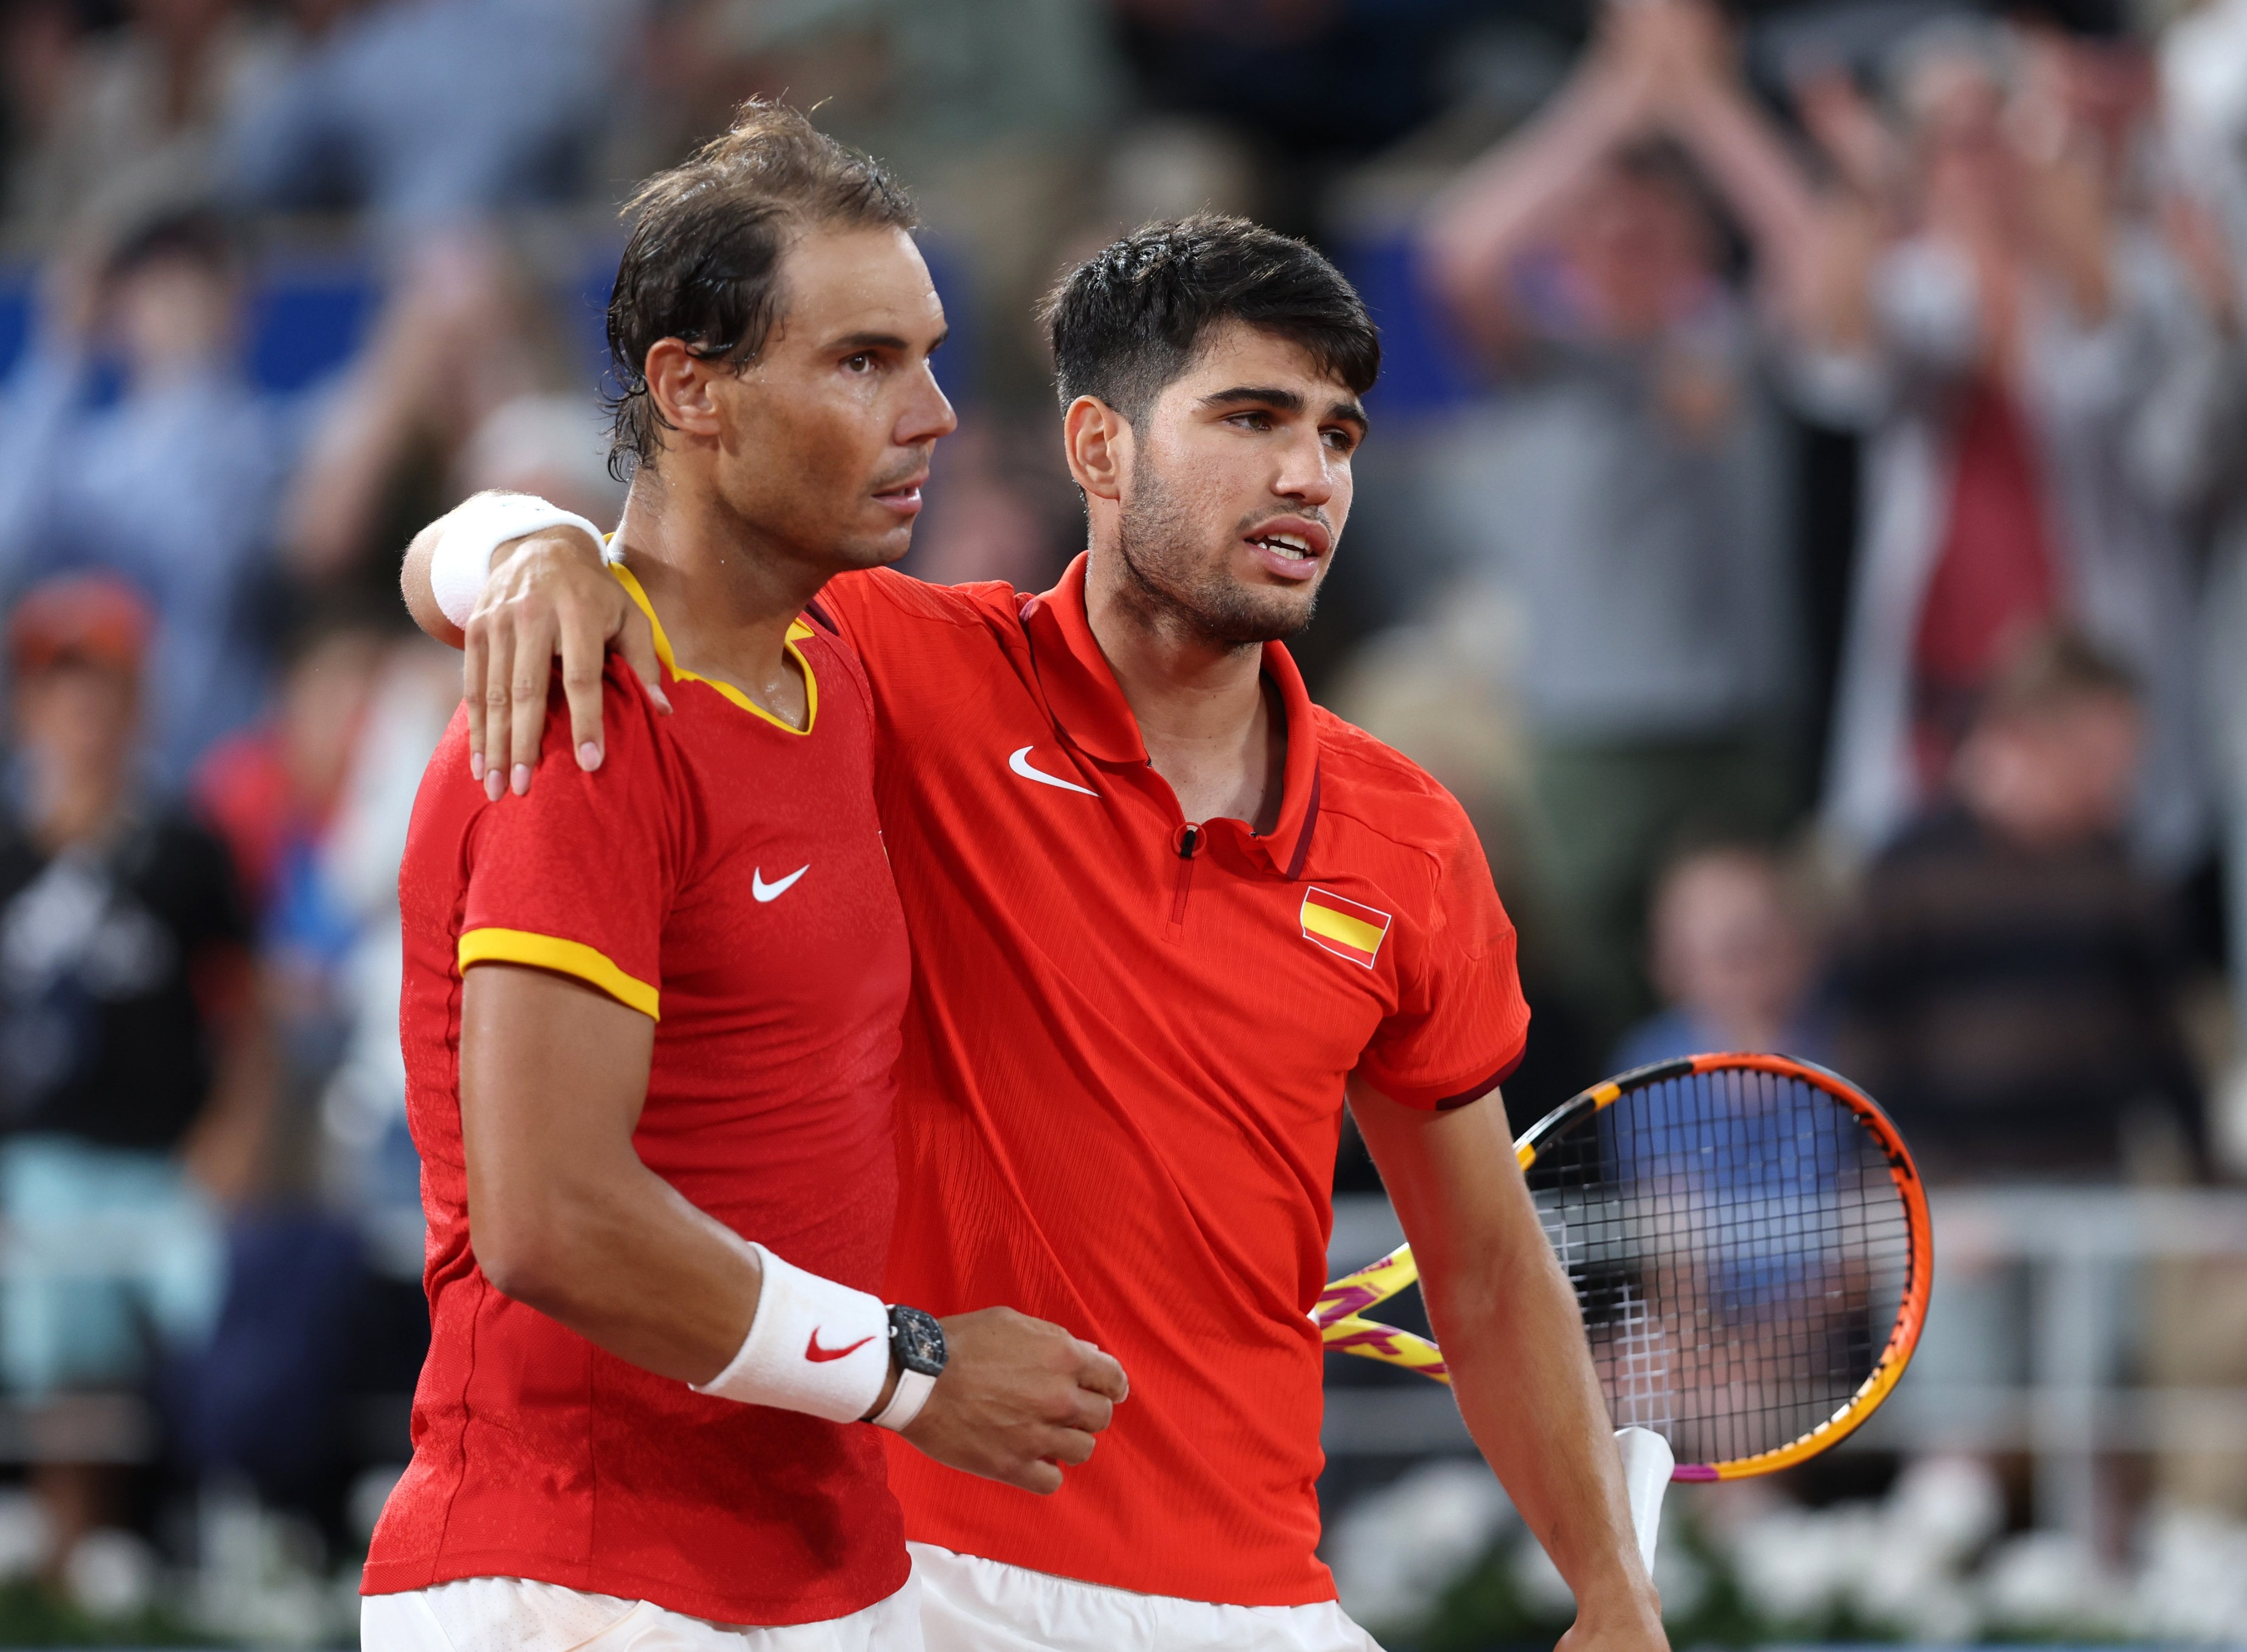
[{"x": 1189, "y": 840}]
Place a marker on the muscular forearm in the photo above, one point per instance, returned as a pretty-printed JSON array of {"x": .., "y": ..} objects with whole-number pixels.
[
  {"x": 619, "y": 1258},
  {"x": 1514, "y": 1344},
  {"x": 1500, "y": 205},
  {"x": 1507, "y": 1322},
  {"x": 565, "y": 1219},
  {"x": 1760, "y": 180}
]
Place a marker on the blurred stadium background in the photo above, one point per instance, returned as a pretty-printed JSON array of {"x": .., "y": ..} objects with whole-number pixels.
[{"x": 1805, "y": 523}]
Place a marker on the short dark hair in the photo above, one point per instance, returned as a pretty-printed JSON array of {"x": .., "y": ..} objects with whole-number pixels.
[
  {"x": 2052, "y": 668},
  {"x": 703, "y": 261},
  {"x": 1126, "y": 322},
  {"x": 197, "y": 234},
  {"x": 1662, "y": 163}
]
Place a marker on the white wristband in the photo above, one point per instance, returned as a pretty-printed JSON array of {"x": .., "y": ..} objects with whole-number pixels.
[
  {"x": 461, "y": 562},
  {"x": 912, "y": 1392},
  {"x": 813, "y": 1346}
]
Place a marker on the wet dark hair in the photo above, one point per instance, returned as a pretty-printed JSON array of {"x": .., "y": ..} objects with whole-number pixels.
[
  {"x": 1127, "y": 321},
  {"x": 703, "y": 261}
]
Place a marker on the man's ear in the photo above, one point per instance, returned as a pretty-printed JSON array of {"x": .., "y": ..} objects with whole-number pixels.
[
  {"x": 1097, "y": 441},
  {"x": 679, "y": 383}
]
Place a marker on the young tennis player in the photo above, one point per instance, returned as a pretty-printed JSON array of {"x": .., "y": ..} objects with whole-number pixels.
[
  {"x": 650, "y": 1017},
  {"x": 1166, "y": 914}
]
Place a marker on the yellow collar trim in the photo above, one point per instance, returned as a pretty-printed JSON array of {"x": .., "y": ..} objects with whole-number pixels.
[{"x": 797, "y": 631}]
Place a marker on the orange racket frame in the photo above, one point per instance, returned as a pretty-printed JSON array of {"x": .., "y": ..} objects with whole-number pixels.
[{"x": 1340, "y": 1313}]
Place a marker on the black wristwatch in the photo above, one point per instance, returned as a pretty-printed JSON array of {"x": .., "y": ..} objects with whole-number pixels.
[{"x": 916, "y": 1341}]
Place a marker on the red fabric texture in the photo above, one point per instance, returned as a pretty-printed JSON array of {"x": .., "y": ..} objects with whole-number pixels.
[
  {"x": 1995, "y": 579},
  {"x": 1122, "y": 1088},
  {"x": 769, "y": 1106}
]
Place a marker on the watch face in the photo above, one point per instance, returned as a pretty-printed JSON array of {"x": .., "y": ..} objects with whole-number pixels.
[{"x": 918, "y": 1339}]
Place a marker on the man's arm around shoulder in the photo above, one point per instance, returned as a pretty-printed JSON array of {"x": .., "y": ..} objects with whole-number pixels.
[{"x": 538, "y": 596}]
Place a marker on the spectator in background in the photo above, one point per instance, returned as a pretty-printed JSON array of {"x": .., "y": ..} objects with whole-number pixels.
[
  {"x": 272, "y": 792},
  {"x": 466, "y": 369},
  {"x": 2204, "y": 94},
  {"x": 429, "y": 113},
  {"x": 1630, "y": 486},
  {"x": 370, "y": 1167},
  {"x": 173, "y": 485},
  {"x": 1308, "y": 84},
  {"x": 1734, "y": 959},
  {"x": 554, "y": 446},
  {"x": 133, "y": 1069},
  {"x": 2009, "y": 983},
  {"x": 2029, "y": 362},
  {"x": 130, "y": 110}
]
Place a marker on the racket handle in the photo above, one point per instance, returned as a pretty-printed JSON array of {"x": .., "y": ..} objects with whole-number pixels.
[{"x": 1646, "y": 1464}]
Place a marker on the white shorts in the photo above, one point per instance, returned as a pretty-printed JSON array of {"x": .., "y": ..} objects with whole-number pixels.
[
  {"x": 968, "y": 1604},
  {"x": 515, "y": 1615}
]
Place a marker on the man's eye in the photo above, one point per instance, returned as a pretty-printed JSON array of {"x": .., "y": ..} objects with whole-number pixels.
[
  {"x": 862, "y": 362},
  {"x": 1341, "y": 442},
  {"x": 1253, "y": 421}
]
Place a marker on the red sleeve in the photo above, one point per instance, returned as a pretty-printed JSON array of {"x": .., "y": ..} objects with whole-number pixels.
[
  {"x": 866, "y": 605},
  {"x": 1460, "y": 1023},
  {"x": 854, "y": 604},
  {"x": 578, "y": 876}
]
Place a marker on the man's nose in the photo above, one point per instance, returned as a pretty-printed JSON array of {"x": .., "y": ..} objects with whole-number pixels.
[
  {"x": 927, "y": 413},
  {"x": 1307, "y": 472}
]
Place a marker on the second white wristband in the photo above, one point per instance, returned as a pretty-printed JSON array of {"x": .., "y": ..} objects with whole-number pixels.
[{"x": 813, "y": 1346}]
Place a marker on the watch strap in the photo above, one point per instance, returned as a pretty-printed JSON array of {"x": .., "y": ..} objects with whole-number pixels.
[{"x": 912, "y": 1392}]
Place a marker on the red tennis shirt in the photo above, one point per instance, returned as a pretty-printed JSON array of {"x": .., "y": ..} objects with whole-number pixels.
[
  {"x": 723, "y": 873},
  {"x": 1122, "y": 1088}
]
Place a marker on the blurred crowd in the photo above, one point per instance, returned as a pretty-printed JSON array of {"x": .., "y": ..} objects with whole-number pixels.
[{"x": 1806, "y": 523}]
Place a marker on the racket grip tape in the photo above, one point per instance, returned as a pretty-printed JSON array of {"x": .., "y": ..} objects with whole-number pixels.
[{"x": 1647, "y": 1461}]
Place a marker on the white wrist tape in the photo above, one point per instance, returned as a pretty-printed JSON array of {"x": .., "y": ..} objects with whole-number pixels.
[
  {"x": 813, "y": 1346},
  {"x": 912, "y": 1392},
  {"x": 462, "y": 560}
]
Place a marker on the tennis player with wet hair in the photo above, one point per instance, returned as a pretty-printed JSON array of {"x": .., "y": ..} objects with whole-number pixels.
[
  {"x": 1166, "y": 916},
  {"x": 651, "y": 1016}
]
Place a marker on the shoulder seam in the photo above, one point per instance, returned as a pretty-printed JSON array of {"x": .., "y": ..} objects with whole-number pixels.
[{"x": 885, "y": 582}]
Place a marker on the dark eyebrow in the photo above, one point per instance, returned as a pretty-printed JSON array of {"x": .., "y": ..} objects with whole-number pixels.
[
  {"x": 857, "y": 341},
  {"x": 1285, "y": 401},
  {"x": 1258, "y": 395}
]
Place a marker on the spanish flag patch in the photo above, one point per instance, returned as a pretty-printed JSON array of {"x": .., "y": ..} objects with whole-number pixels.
[{"x": 1343, "y": 927}]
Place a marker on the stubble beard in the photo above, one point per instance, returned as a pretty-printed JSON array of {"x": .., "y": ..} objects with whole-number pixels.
[{"x": 1184, "y": 590}]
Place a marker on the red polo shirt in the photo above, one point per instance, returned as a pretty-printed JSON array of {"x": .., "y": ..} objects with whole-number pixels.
[
  {"x": 722, "y": 874},
  {"x": 1121, "y": 1092}
]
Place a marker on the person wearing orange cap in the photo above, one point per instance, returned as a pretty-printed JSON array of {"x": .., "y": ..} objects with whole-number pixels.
[{"x": 134, "y": 1087}]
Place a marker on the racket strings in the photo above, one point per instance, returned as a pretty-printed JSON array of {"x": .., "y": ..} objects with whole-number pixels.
[{"x": 1740, "y": 1253}]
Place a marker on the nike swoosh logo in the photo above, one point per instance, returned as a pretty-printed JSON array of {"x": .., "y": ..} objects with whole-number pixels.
[
  {"x": 1020, "y": 762},
  {"x": 765, "y": 892},
  {"x": 819, "y": 1355}
]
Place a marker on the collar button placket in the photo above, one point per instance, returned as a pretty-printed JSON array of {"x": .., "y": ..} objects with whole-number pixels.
[{"x": 1186, "y": 843}]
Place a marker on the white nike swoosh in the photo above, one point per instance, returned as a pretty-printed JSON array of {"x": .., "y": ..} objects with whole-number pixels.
[
  {"x": 765, "y": 892},
  {"x": 1020, "y": 762}
]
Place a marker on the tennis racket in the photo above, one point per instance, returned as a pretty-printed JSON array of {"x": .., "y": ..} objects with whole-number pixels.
[{"x": 1748, "y": 1240}]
